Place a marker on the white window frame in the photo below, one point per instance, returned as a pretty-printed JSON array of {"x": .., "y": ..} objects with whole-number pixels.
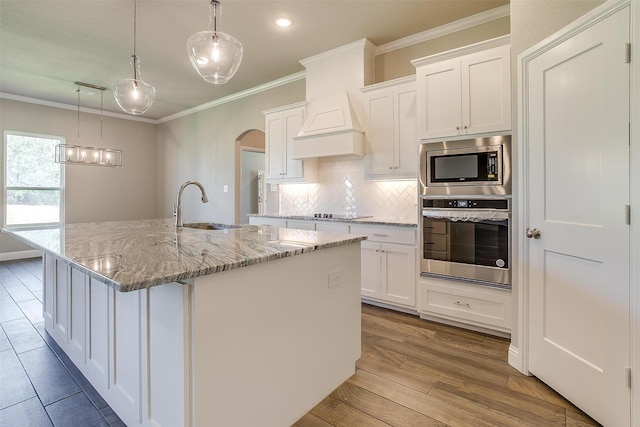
[{"x": 61, "y": 140}]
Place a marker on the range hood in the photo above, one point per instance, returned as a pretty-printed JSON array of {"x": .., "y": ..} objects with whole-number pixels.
[{"x": 333, "y": 80}]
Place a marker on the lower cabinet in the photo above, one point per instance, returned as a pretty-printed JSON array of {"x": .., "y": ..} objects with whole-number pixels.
[
  {"x": 388, "y": 264},
  {"x": 129, "y": 345},
  {"x": 479, "y": 307},
  {"x": 389, "y": 268}
]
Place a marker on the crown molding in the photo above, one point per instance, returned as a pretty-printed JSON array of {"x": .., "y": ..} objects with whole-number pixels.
[
  {"x": 238, "y": 95},
  {"x": 36, "y": 101},
  {"x": 443, "y": 30}
]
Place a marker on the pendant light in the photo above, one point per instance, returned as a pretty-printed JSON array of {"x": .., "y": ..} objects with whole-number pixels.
[
  {"x": 134, "y": 95},
  {"x": 90, "y": 156},
  {"x": 216, "y": 56}
]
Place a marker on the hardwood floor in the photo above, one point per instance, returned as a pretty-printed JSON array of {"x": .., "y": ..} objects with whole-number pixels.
[{"x": 419, "y": 373}]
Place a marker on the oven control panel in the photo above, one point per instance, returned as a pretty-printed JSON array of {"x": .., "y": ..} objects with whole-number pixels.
[{"x": 501, "y": 204}]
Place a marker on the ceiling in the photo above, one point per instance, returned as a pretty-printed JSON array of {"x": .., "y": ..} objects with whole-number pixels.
[{"x": 47, "y": 45}]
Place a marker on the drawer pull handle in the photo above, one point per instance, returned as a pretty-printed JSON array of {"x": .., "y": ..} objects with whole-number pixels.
[
  {"x": 380, "y": 235},
  {"x": 429, "y": 243},
  {"x": 466, "y": 304}
]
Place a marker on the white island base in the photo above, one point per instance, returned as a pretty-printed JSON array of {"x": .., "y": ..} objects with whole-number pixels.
[{"x": 252, "y": 346}]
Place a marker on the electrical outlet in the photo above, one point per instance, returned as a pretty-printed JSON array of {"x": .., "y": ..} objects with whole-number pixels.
[
  {"x": 225, "y": 188},
  {"x": 335, "y": 278}
]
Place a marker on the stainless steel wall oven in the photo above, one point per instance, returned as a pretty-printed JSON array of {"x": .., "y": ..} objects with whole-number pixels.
[
  {"x": 467, "y": 239},
  {"x": 465, "y": 189}
]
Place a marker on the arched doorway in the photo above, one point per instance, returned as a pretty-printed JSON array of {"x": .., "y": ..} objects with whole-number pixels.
[{"x": 249, "y": 160}]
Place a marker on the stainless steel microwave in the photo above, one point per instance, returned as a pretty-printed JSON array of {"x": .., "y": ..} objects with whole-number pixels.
[{"x": 479, "y": 166}]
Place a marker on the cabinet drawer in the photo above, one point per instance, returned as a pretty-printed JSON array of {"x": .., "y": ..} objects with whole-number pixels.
[
  {"x": 332, "y": 227},
  {"x": 471, "y": 304},
  {"x": 434, "y": 226},
  {"x": 301, "y": 224},
  {"x": 435, "y": 242},
  {"x": 401, "y": 235},
  {"x": 265, "y": 221}
]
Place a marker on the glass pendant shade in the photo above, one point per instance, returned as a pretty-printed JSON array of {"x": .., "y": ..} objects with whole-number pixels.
[
  {"x": 134, "y": 95},
  {"x": 216, "y": 56}
]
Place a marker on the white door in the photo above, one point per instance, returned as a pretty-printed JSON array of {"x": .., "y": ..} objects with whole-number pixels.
[{"x": 579, "y": 291}]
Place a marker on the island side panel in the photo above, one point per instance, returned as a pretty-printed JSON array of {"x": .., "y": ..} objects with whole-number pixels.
[
  {"x": 272, "y": 340},
  {"x": 129, "y": 345}
]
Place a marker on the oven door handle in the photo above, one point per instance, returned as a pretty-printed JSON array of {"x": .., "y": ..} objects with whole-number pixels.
[{"x": 473, "y": 215}]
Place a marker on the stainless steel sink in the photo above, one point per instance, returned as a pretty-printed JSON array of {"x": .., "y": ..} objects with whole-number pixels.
[{"x": 210, "y": 226}]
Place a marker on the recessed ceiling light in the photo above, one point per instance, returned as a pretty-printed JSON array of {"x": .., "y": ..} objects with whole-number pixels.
[{"x": 284, "y": 22}]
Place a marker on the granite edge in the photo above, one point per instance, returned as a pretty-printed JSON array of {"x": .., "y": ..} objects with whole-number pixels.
[{"x": 144, "y": 284}]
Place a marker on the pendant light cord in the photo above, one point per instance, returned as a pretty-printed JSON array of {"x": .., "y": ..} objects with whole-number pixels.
[
  {"x": 101, "y": 115},
  {"x": 135, "y": 21},
  {"x": 78, "y": 92},
  {"x": 215, "y": 4}
]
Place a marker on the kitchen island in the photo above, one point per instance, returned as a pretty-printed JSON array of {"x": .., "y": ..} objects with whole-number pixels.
[{"x": 234, "y": 326}]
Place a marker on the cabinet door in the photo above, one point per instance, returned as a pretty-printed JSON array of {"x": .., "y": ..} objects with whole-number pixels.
[
  {"x": 439, "y": 106},
  {"x": 380, "y": 133},
  {"x": 406, "y": 132},
  {"x": 78, "y": 319},
  {"x": 61, "y": 303},
  {"x": 399, "y": 273},
  {"x": 486, "y": 91},
  {"x": 99, "y": 316},
  {"x": 49, "y": 289},
  {"x": 370, "y": 269},
  {"x": 275, "y": 146},
  {"x": 292, "y": 125}
]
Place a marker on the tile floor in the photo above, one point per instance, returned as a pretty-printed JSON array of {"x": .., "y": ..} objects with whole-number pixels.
[{"x": 39, "y": 385}]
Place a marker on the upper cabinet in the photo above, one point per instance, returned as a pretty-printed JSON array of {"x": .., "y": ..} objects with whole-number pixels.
[
  {"x": 281, "y": 125},
  {"x": 465, "y": 94},
  {"x": 391, "y": 129}
]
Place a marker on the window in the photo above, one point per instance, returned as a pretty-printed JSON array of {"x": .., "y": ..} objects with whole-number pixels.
[{"x": 33, "y": 181}]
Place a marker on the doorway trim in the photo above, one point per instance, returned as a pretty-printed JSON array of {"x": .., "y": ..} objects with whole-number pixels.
[
  {"x": 519, "y": 349},
  {"x": 249, "y": 140}
]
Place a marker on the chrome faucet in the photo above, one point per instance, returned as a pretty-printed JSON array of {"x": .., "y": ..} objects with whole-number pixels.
[{"x": 177, "y": 208}]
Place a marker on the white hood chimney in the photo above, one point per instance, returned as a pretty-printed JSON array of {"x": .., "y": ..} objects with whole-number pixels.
[{"x": 333, "y": 80}]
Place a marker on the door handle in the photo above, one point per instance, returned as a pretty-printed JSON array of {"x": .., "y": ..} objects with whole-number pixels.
[{"x": 535, "y": 233}]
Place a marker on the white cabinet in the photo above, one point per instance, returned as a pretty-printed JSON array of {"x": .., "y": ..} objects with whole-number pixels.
[
  {"x": 465, "y": 95},
  {"x": 301, "y": 224},
  {"x": 281, "y": 126},
  {"x": 110, "y": 336},
  {"x": 480, "y": 307},
  {"x": 391, "y": 129},
  {"x": 332, "y": 227},
  {"x": 388, "y": 264}
]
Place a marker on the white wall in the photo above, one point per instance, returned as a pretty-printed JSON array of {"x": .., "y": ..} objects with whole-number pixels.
[
  {"x": 201, "y": 147},
  {"x": 92, "y": 193}
]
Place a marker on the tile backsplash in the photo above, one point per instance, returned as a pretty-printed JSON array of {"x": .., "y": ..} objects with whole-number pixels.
[{"x": 342, "y": 189}]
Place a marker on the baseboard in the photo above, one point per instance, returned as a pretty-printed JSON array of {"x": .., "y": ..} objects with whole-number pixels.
[
  {"x": 11, "y": 256},
  {"x": 515, "y": 360}
]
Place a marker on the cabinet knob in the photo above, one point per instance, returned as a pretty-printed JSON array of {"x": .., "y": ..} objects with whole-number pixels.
[
  {"x": 466, "y": 126},
  {"x": 457, "y": 127}
]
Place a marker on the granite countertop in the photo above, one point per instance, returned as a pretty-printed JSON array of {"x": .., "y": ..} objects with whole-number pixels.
[
  {"x": 132, "y": 255},
  {"x": 373, "y": 220}
]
